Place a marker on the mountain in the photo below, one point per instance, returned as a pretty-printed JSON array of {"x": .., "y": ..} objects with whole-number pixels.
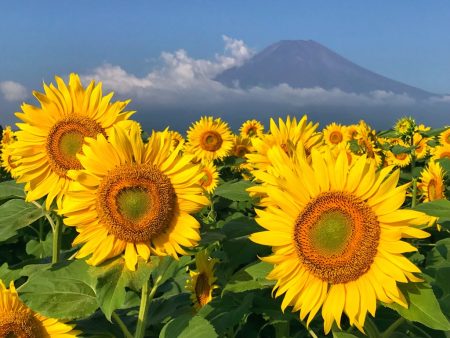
[{"x": 308, "y": 64}]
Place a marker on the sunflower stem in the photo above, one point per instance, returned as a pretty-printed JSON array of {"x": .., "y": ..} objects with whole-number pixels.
[
  {"x": 122, "y": 325},
  {"x": 371, "y": 329},
  {"x": 394, "y": 326},
  {"x": 56, "y": 246},
  {"x": 414, "y": 193},
  {"x": 146, "y": 299}
]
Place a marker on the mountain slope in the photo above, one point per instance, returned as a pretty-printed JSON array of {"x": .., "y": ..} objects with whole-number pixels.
[{"x": 308, "y": 64}]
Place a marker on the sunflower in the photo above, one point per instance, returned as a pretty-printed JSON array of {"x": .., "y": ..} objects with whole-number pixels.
[
  {"x": 17, "y": 320},
  {"x": 201, "y": 284},
  {"x": 251, "y": 128},
  {"x": 401, "y": 159},
  {"x": 442, "y": 151},
  {"x": 7, "y": 160},
  {"x": 352, "y": 131},
  {"x": 421, "y": 145},
  {"x": 241, "y": 146},
  {"x": 431, "y": 182},
  {"x": 138, "y": 202},
  {"x": 334, "y": 134},
  {"x": 210, "y": 177},
  {"x": 53, "y": 134},
  {"x": 209, "y": 139},
  {"x": 444, "y": 137},
  {"x": 336, "y": 242},
  {"x": 288, "y": 135},
  {"x": 405, "y": 126}
]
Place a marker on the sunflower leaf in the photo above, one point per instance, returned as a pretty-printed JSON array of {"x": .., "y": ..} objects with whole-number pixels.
[
  {"x": 113, "y": 278},
  {"x": 187, "y": 326},
  {"x": 423, "y": 307},
  {"x": 234, "y": 190},
  {"x": 64, "y": 291},
  {"x": 9, "y": 189},
  {"x": 250, "y": 277},
  {"x": 16, "y": 214},
  {"x": 437, "y": 208}
]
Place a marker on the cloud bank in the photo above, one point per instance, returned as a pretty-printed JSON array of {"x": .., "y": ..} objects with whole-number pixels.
[{"x": 13, "y": 91}]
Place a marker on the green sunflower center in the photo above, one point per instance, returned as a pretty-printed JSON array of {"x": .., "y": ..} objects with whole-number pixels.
[
  {"x": 251, "y": 131},
  {"x": 136, "y": 202},
  {"x": 19, "y": 324},
  {"x": 211, "y": 140},
  {"x": 336, "y": 237},
  {"x": 331, "y": 233},
  {"x": 65, "y": 140}
]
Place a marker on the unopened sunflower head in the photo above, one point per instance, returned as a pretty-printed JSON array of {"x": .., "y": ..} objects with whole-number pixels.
[
  {"x": 18, "y": 320},
  {"x": 52, "y": 135},
  {"x": 405, "y": 126},
  {"x": 209, "y": 139},
  {"x": 202, "y": 279},
  {"x": 337, "y": 242},
  {"x": 138, "y": 202}
]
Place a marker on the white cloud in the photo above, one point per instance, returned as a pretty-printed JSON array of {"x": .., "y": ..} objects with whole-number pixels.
[
  {"x": 13, "y": 91},
  {"x": 183, "y": 82}
]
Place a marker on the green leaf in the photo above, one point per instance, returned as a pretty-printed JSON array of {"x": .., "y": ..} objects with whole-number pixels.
[
  {"x": 40, "y": 249},
  {"x": 234, "y": 190},
  {"x": 445, "y": 163},
  {"x": 251, "y": 277},
  {"x": 16, "y": 214},
  {"x": 340, "y": 334},
  {"x": 113, "y": 278},
  {"x": 7, "y": 275},
  {"x": 65, "y": 291},
  {"x": 397, "y": 149},
  {"x": 423, "y": 307},
  {"x": 10, "y": 189},
  {"x": 187, "y": 326},
  {"x": 437, "y": 208}
]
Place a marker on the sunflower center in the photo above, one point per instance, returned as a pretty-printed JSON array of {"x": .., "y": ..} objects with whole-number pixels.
[
  {"x": 331, "y": 233},
  {"x": 336, "y": 137},
  {"x": 136, "y": 202},
  {"x": 251, "y": 131},
  {"x": 401, "y": 156},
  {"x": 434, "y": 190},
  {"x": 241, "y": 151},
  {"x": 15, "y": 324},
  {"x": 211, "y": 141},
  {"x": 65, "y": 140},
  {"x": 445, "y": 154},
  {"x": 207, "y": 179},
  {"x": 447, "y": 139},
  {"x": 202, "y": 289},
  {"x": 336, "y": 237}
]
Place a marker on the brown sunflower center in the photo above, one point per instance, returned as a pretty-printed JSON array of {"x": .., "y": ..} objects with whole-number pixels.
[
  {"x": 136, "y": 202},
  {"x": 336, "y": 237},
  {"x": 65, "y": 140},
  {"x": 202, "y": 289},
  {"x": 211, "y": 140},
  {"x": 240, "y": 151},
  {"x": 445, "y": 154},
  {"x": 447, "y": 139},
  {"x": 207, "y": 179},
  {"x": 19, "y": 324},
  {"x": 401, "y": 156},
  {"x": 336, "y": 137}
]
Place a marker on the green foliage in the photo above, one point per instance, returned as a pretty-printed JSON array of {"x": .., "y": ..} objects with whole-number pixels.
[
  {"x": 187, "y": 326},
  {"x": 16, "y": 214}
]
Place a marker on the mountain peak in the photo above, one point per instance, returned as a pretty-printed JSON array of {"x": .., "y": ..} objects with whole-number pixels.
[{"x": 308, "y": 64}]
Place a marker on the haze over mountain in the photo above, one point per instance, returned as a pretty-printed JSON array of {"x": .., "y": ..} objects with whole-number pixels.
[{"x": 308, "y": 64}]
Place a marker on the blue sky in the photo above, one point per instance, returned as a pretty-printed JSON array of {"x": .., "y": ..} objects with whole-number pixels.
[{"x": 407, "y": 40}]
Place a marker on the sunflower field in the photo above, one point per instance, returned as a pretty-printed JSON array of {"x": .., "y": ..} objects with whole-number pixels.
[{"x": 287, "y": 230}]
